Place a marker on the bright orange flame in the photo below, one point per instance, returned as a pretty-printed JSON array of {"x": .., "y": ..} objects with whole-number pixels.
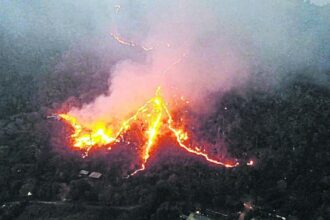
[
  {"x": 85, "y": 138},
  {"x": 154, "y": 114}
]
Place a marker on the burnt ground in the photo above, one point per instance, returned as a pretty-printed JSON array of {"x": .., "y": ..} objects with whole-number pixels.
[{"x": 284, "y": 129}]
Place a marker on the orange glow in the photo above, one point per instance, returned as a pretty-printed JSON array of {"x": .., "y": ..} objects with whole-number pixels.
[
  {"x": 85, "y": 138},
  {"x": 155, "y": 115}
]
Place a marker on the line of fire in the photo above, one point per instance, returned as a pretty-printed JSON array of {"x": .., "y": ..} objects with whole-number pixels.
[{"x": 154, "y": 122}]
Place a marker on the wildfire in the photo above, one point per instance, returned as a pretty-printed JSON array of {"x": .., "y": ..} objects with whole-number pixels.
[
  {"x": 157, "y": 119},
  {"x": 128, "y": 43}
]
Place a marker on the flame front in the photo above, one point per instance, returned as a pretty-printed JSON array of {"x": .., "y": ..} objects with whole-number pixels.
[{"x": 154, "y": 114}]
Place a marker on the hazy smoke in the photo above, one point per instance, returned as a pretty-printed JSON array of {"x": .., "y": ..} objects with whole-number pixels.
[{"x": 198, "y": 46}]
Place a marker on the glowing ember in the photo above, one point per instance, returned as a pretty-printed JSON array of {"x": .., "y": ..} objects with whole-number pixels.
[{"x": 154, "y": 114}]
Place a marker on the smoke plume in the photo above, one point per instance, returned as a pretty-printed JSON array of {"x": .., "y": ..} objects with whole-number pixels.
[{"x": 188, "y": 48}]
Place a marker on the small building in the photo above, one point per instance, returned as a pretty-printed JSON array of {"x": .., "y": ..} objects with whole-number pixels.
[
  {"x": 83, "y": 172},
  {"x": 95, "y": 175}
]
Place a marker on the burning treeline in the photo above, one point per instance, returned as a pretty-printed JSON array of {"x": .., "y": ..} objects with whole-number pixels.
[{"x": 153, "y": 119}]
